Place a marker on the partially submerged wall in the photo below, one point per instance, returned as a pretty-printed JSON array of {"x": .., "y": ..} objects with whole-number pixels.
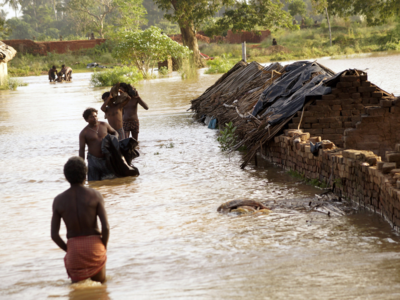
[
  {"x": 357, "y": 175},
  {"x": 42, "y": 48}
]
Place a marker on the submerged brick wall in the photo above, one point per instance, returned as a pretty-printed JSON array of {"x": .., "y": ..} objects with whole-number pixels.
[
  {"x": 360, "y": 176},
  {"x": 42, "y": 48}
]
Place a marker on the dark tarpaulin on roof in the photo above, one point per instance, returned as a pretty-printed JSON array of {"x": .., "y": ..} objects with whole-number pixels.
[{"x": 288, "y": 94}]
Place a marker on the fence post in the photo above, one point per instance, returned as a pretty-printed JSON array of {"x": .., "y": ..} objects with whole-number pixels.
[{"x": 244, "y": 51}]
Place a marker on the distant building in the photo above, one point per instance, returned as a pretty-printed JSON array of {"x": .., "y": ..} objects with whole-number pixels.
[{"x": 7, "y": 53}]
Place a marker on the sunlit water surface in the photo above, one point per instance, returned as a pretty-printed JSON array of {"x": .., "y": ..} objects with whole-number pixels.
[{"x": 167, "y": 240}]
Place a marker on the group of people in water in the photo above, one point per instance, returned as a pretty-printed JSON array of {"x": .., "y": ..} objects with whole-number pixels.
[
  {"x": 64, "y": 75},
  {"x": 80, "y": 206}
]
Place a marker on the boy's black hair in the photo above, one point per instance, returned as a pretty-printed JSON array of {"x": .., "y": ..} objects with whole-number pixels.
[{"x": 75, "y": 170}]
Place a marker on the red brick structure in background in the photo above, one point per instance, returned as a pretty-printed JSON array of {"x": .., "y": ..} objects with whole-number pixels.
[
  {"x": 42, "y": 48},
  {"x": 246, "y": 36},
  {"x": 231, "y": 38}
]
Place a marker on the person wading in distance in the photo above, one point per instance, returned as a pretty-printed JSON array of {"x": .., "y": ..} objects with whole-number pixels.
[{"x": 79, "y": 208}]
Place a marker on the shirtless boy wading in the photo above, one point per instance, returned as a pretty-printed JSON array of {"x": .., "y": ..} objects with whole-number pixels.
[
  {"x": 131, "y": 119},
  {"x": 92, "y": 135},
  {"x": 79, "y": 207}
]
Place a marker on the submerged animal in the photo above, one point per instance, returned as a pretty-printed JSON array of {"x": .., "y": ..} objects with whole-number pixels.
[{"x": 243, "y": 206}]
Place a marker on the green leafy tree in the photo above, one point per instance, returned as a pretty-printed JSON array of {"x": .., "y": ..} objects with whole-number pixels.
[
  {"x": 5, "y": 29},
  {"x": 241, "y": 15},
  {"x": 376, "y": 11},
  {"x": 13, "y": 4},
  {"x": 297, "y": 7},
  {"x": 145, "y": 48}
]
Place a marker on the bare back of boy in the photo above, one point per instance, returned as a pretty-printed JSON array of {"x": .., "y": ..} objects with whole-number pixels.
[{"x": 79, "y": 207}]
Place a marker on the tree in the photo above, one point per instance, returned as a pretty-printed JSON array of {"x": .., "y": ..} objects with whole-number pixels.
[
  {"x": 297, "y": 7},
  {"x": 96, "y": 9},
  {"x": 13, "y": 4},
  {"x": 190, "y": 14},
  {"x": 4, "y": 29},
  {"x": 145, "y": 48},
  {"x": 321, "y": 6},
  {"x": 376, "y": 11}
]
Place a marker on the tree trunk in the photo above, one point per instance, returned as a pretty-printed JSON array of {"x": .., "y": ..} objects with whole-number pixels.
[
  {"x": 329, "y": 25},
  {"x": 101, "y": 28},
  {"x": 189, "y": 39},
  {"x": 54, "y": 9}
]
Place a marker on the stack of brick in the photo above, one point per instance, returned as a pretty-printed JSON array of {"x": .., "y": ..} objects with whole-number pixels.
[
  {"x": 332, "y": 114},
  {"x": 378, "y": 129},
  {"x": 358, "y": 175}
]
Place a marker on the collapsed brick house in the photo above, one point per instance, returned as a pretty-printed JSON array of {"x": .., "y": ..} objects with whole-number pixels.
[{"x": 353, "y": 127}]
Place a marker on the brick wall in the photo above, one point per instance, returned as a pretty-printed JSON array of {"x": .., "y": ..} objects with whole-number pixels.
[
  {"x": 358, "y": 175},
  {"x": 246, "y": 36},
  {"x": 42, "y": 48},
  {"x": 356, "y": 115}
]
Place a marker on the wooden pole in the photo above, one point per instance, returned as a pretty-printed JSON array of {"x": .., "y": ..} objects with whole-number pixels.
[{"x": 244, "y": 51}]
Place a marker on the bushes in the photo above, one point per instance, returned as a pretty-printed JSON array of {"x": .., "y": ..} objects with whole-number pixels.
[
  {"x": 118, "y": 74},
  {"x": 12, "y": 84},
  {"x": 219, "y": 65}
]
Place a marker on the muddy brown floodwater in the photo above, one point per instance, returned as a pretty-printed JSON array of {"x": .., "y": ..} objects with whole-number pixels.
[{"x": 167, "y": 240}]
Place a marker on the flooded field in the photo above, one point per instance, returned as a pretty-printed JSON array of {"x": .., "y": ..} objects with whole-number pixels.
[{"x": 166, "y": 238}]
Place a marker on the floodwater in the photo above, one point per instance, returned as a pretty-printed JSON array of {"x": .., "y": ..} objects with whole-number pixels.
[{"x": 167, "y": 240}]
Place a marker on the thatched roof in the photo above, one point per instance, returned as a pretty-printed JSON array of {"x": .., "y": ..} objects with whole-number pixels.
[{"x": 7, "y": 53}]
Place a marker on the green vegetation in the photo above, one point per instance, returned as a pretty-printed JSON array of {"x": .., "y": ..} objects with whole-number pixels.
[
  {"x": 314, "y": 182},
  {"x": 12, "y": 84},
  {"x": 219, "y": 64},
  {"x": 145, "y": 48},
  {"x": 163, "y": 71},
  {"x": 109, "y": 77},
  {"x": 227, "y": 138},
  {"x": 348, "y": 38}
]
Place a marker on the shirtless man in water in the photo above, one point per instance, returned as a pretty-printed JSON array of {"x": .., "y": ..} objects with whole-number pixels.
[
  {"x": 114, "y": 112},
  {"x": 79, "y": 207},
  {"x": 66, "y": 72},
  {"x": 131, "y": 119},
  {"x": 52, "y": 74},
  {"x": 92, "y": 135}
]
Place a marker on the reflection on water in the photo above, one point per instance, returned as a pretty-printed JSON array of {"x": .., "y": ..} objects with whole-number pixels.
[{"x": 167, "y": 240}]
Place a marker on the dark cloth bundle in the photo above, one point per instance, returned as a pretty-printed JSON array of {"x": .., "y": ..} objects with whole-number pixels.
[{"x": 119, "y": 155}]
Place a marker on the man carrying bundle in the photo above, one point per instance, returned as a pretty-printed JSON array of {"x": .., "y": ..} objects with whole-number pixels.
[
  {"x": 113, "y": 108},
  {"x": 79, "y": 207},
  {"x": 93, "y": 135},
  {"x": 66, "y": 72}
]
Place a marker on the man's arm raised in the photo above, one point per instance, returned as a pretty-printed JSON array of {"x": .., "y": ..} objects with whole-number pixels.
[
  {"x": 82, "y": 143},
  {"x": 55, "y": 228},
  {"x": 105, "y": 228},
  {"x": 142, "y": 103},
  {"x": 104, "y": 106}
]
